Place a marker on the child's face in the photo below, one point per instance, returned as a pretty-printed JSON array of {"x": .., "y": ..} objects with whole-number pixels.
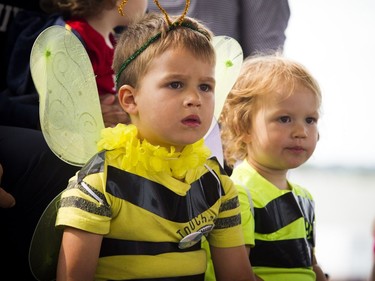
[
  {"x": 174, "y": 101},
  {"x": 284, "y": 131}
]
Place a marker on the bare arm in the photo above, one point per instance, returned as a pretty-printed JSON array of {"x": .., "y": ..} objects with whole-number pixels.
[
  {"x": 318, "y": 271},
  {"x": 372, "y": 274},
  {"x": 232, "y": 264},
  {"x": 6, "y": 199},
  {"x": 79, "y": 254}
]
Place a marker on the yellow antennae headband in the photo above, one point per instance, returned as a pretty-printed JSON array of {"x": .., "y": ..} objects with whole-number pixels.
[
  {"x": 180, "y": 19},
  {"x": 178, "y": 22}
]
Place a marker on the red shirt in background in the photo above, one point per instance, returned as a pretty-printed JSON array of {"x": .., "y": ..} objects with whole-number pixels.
[{"x": 100, "y": 54}]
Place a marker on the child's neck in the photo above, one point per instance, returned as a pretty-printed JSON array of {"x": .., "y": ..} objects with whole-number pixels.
[{"x": 277, "y": 177}]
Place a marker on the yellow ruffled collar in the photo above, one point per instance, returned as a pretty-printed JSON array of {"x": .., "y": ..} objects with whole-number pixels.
[{"x": 138, "y": 156}]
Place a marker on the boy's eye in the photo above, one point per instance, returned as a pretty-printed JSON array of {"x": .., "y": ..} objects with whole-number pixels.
[
  {"x": 205, "y": 88},
  {"x": 175, "y": 85},
  {"x": 285, "y": 119},
  {"x": 311, "y": 120}
]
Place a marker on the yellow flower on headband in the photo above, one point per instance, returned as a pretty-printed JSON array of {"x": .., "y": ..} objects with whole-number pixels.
[{"x": 137, "y": 156}]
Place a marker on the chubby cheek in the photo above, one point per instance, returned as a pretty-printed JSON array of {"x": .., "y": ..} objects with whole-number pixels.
[
  {"x": 260, "y": 141},
  {"x": 270, "y": 143},
  {"x": 156, "y": 115},
  {"x": 314, "y": 137},
  {"x": 265, "y": 135},
  {"x": 210, "y": 109},
  {"x": 314, "y": 142}
]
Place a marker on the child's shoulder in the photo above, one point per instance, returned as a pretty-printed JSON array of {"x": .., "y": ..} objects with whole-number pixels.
[
  {"x": 214, "y": 163},
  {"x": 300, "y": 190}
]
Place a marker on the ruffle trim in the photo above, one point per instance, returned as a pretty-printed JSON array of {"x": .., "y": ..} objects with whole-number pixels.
[{"x": 139, "y": 155}]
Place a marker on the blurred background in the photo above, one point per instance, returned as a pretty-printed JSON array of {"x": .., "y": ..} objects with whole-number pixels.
[{"x": 335, "y": 39}]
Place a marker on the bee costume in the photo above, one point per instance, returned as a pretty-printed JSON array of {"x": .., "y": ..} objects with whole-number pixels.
[{"x": 152, "y": 206}]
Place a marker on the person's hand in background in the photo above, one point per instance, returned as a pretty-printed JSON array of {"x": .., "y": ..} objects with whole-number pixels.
[
  {"x": 112, "y": 111},
  {"x": 6, "y": 199}
]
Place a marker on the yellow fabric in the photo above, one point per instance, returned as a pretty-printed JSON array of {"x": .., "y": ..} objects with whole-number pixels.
[
  {"x": 138, "y": 156},
  {"x": 262, "y": 192},
  {"x": 120, "y": 219},
  {"x": 247, "y": 222}
]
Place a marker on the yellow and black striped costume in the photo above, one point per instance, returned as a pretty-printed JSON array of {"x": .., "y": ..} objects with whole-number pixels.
[
  {"x": 143, "y": 217},
  {"x": 281, "y": 231}
]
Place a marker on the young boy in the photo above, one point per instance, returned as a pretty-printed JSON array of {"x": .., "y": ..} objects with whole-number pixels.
[
  {"x": 269, "y": 126},
  {"x": 139, "y": 208}
]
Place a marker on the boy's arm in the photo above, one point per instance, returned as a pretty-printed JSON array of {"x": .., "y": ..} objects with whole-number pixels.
[
  {"x": 79, "y": 255},
  {"x": 232, "y": 264}
]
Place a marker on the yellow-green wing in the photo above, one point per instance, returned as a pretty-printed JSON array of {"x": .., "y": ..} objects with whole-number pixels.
[
  {"x": 229, "y": 58},
  {"x": 70, "y": 114},
  {"x": 45, "y": 244}
]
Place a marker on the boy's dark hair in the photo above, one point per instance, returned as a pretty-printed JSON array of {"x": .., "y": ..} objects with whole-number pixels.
[{"x": 196, "y": 38}]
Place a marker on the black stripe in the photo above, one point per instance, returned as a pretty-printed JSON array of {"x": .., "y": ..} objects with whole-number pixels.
[
  {"x": 93, "y": 166},
  {"x": 308, "y": 208},
  {"x": 222, "y": 170},
  {"x": 228, "y": 222},
  {"x": 284, "y": 253},
  {"x": 115, "y": 247},
  {"x": 199, "y": 277},
  {"x": 276, "y": 214},
  {"x": 86, "y": 205},
  {"x": 161, "y": 201},
  {"x": 231, "y": 204}
]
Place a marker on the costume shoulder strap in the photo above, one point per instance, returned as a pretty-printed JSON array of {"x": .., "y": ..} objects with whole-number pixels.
[{"x": 237, "y": 182}]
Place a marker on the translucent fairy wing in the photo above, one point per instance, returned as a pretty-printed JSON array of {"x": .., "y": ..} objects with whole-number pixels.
[
  {"x": 70, "y": 114},
  {"x": 71, "y": 122},
  {"x": 45, "y": 244},
  {"x": 229, "y": 58},
  {"x": 213, "y": 141}
]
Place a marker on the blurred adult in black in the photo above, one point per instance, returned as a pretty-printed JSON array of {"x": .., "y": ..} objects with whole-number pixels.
[
  {"x": 12, "y": 111},
  {"x": 34, "y": 175}
]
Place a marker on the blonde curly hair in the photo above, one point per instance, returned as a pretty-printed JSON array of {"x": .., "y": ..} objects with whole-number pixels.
[{"x": 261, "y": 77}]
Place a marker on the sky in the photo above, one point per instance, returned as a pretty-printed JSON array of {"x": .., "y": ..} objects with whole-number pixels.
[{"x": 335, "y": 40}]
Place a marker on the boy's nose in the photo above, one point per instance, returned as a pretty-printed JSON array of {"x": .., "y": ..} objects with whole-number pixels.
[{"x": 193, "y": 99}]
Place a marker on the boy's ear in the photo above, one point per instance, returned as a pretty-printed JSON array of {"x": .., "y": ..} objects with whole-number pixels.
[{"x": 127, "y": 100}]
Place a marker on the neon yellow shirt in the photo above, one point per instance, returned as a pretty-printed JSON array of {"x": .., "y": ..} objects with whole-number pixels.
[{"x": 283, "y": 231}]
